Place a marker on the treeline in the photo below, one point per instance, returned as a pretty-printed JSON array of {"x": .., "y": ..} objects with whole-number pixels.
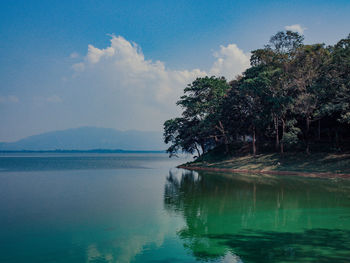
[{"x": 293, "y": 97}]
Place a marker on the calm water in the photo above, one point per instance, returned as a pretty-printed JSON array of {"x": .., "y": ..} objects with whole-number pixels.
[{"x": 139, "y": 208}]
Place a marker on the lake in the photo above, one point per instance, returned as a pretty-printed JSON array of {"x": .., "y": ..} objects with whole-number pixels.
[{"x": 140, "y": 208}]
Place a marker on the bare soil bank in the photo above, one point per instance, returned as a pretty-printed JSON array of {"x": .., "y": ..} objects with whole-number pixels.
[{"x": 320, "y": 165}]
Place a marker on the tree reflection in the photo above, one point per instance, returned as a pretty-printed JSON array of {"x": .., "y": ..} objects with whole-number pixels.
[{"x": 260, "y": 218}]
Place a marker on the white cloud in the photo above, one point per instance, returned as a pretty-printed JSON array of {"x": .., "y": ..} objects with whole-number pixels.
[
  {"x": 94, "y": 54},
  {"x": 9, "y": 99},
  {"x": 79, "y": 66},
  {"x": 74, "y": 55},
  {"x": 124, "y": 64},
  {"x": 296, "y": 28},
  {"x": 118, "y": 85},
  {"x": 230, "y": 61}
]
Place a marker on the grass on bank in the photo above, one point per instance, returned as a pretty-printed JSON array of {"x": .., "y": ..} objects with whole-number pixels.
[{"x": 294, "y": 162}]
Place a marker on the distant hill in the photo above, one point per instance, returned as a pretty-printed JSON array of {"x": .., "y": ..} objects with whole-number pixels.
[{"x": 87, "y": 138}]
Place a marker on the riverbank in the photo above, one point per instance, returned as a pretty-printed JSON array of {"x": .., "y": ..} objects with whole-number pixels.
[{"x": 323, "y": 165}]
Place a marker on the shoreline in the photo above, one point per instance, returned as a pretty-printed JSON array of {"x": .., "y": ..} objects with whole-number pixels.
[{"x": 251, "y": 171}]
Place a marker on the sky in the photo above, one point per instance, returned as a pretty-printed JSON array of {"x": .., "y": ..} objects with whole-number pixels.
[{"x": 124, "y": 64}]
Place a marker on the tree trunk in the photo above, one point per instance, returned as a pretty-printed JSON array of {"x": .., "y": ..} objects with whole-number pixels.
[
  {"x": 283, "y": 132},
  {"x": 254, "y": 146},
  {"x": 198, "y": 152},
  {"x": 277, "y": 144},
  {"x": 203, "y": 149},
  {"x": 307, "y": 135},
  {"x": 226, "y": 147},
  {"x": 337, "y": 138},
  {"x": 222, "y": 129},
  {"x": 319, "y": 130}
]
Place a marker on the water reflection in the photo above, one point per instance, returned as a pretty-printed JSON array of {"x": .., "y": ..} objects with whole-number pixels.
[{"x": 261, "y": 218}]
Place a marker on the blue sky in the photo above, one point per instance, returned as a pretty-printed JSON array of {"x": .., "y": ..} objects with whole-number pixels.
[{"x": 141, "y": 55}]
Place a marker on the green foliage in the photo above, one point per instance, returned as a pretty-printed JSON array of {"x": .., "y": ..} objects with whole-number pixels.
[
  {"x": 339, "y": 80},
  {"x": 293, "y": 94},
  {"x": 285, "y": 43},
  {"x": 290, "y": 136},
  {"x": 203, "y": 97},
  {"x": 199, "y": 125}
]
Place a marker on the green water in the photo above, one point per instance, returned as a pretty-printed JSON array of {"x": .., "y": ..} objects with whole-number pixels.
[{"x": 139, "y": 208}]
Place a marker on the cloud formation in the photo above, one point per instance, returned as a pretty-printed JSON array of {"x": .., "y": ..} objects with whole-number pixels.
[
  {"x": 124, "y": 66},
  {"x": 230, "y": 61},
  {"x": 74, "y": 55},
  {"x": 143, "y": 91},
  {"x": 296, "y": 28}
]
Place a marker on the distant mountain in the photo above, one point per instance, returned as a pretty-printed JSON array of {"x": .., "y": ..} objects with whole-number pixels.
[{"x": 87, "y": 138}]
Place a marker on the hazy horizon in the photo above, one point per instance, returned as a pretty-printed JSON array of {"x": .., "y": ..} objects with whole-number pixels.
[
  {"x": 76, "y": 128},
  {"x": 88, "y": 138}
]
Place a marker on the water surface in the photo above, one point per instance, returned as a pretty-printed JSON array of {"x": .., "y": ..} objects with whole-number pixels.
[{"x": 139, "y": 208}]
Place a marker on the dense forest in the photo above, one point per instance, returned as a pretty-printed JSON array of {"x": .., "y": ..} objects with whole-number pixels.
[{"x": 294, "y": 97}]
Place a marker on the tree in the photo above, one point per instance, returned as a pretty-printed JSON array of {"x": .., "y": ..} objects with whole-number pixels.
[
  {"x": 200, "y": 123},
  {"x": 339, "y": 79},
  {"x": 256, "y": 89},
  {"x": 306, "y": 71},
  {"x": 284, "y": 46},
  {"x": 183, "y": 135}
]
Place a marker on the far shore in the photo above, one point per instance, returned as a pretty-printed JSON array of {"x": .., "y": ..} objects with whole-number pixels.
[{"x": 83, "y": 151}]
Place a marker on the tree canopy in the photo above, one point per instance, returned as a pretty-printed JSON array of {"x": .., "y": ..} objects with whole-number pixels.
[{"x": 294, "y": 97}]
